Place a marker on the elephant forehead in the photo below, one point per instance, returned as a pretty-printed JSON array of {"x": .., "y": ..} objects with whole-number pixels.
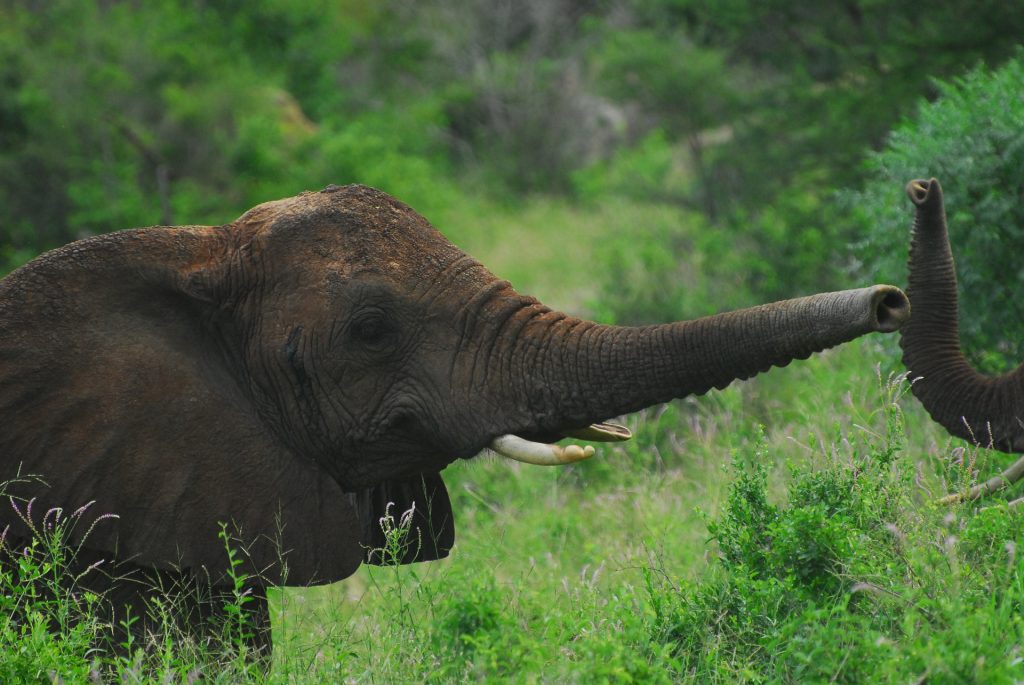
[
  {"x": 353, "y": 224},
  {"x": 336, "y": 236},
  {"x": 310, "y": 201},
  {"x": 331, "y": 259}
]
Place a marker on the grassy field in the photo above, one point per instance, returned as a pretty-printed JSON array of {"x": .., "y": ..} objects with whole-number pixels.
[
  {"x": 564, "y": 576},
  {"x": 781, "y": 530}
]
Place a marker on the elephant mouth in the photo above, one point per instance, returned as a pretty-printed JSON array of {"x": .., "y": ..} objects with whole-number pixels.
[{"x": 548, "y": 454}]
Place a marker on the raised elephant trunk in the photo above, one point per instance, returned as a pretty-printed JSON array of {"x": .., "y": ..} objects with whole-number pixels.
[
  {"x": 987, "y": 410},
  {"x": 596, "y": 371}
]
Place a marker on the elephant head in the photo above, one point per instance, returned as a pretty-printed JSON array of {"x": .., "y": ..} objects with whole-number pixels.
[
  {"x": 296, "y": 370},
  {"x": 986, "y": 410}
]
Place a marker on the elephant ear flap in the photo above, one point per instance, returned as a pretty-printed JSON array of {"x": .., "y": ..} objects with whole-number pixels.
[
  {"x": 206, "y": 263},
  {"x": 406, "y": 520},
  {"x": 206, "y": 278}
]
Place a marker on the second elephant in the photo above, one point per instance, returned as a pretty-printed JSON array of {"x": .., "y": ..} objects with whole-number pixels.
[{"x": 986, "y": 410}]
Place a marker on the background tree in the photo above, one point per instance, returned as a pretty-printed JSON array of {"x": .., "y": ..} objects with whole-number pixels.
[
  {"x": 747, "y": 115},
  {"x": 972, "y": 139}
]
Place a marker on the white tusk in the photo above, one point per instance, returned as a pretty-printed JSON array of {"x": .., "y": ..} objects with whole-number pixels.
[{"x": 541, "y": 454}]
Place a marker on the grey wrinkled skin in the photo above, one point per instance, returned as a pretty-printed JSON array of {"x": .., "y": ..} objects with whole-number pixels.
[
  {"x": 293, "y": 372},
  {"x": 987, "y": 410}
]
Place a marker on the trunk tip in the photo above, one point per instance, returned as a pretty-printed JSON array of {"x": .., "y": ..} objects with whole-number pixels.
[
  {"x": 892, "y": 308},
  {"x": 921, "y": 191}
]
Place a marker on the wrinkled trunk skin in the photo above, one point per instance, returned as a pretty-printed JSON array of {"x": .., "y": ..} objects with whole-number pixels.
[
  {"x": 983, "y": 409},
  {"x": 593, "y": 372}
]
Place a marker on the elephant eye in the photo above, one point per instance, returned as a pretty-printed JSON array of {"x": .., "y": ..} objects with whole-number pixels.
[{"x": 371, "y": 329}]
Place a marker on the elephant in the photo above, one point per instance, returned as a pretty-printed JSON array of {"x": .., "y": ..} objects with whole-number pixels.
[
  {"x": 307, "y": 369},
  {"x": 986, "y": 410}
]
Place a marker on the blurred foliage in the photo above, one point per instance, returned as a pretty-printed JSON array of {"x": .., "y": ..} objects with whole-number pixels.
[
  {"x": 772, "y": 107},
  {"x": 972, "y": 139},
  {"x": 744, "y": 116},
  {"x": 119, "y": 114}
]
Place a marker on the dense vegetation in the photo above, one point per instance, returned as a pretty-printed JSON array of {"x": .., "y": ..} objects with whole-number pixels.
[
  {"x": 972, "y": 139},
  {"x": 687, "y": 156},
  {"x": 747, "y": 116}
]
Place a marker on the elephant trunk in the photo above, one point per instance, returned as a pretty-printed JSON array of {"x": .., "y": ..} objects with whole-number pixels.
[
  {"x": 582, "y": 372},
  {"x": 987, "y": 410}
]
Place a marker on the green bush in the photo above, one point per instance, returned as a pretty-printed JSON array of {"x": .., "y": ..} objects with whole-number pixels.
[
  {"x": 793, "y": 594},
  {"x": 818, "y": 540},
  {"x": 972, "y": 139}
]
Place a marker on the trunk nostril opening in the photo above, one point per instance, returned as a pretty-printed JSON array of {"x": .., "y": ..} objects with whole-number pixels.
[
  {"x": 892, "y": 311},
  {"x": 917, "y": 191}
]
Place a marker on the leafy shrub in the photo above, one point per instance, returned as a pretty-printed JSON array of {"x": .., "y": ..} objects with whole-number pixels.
[
  {"x": 815, "y": 542},
  {"x": 794, "y": 588},
  {"x": 972, "y": 140}
]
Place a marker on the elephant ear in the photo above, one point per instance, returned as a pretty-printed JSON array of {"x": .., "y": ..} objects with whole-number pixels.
[
  {"x": 116, "y": 389},
  {"x": 406, "y": 520}
]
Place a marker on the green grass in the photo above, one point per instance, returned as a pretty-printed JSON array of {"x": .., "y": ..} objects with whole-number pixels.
[
  {"x": 780, "y": 531},
  {"x": 825, "y": 559}
]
